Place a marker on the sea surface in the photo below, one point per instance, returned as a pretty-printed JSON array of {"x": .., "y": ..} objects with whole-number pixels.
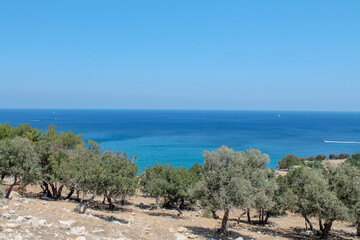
[{"x": 179, "y": 137}]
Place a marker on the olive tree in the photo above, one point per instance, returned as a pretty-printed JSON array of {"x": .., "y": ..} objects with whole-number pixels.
[
  {"x": 309, "y": 194},
  {"x": 195, "y": 173},
  {"x": 345, "y": 181},
  {"x": 19, "y": 161},
  {"x": 232, "y": 179},
  {"x": 264, "y": 198},
  {"x": 154, "y": 182},
  {"x": 354, "y": 160},
  {"x": 320, "y": 157},
  {"x": 24, "y": 131},
  {"x": 288, "y": 161},
  {"x": 169, "y": 183},
  {"x": 118, "y": 176},
  {"x": 54, "y": 149},
  {"x": 5, "y": 131},
  {"x": 82, "y": 172},
  {"x": 344, "y": 155}
]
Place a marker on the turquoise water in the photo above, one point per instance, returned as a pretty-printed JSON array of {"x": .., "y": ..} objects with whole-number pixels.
[{"x": 180, "y": 137}]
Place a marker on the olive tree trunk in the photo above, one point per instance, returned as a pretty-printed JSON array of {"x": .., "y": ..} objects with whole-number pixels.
[
  {"x": 321, "y": 226},
  {"x": 122, "y": 201},
  {"x": 267, "y": 217},
  {"x": 308, "y": 222},
  {"x": 77, "y": 193},
  {"x": 58, "y": 193},
  {"x": 111, "y": 204},
  {"x": 45, "y": 187},
  {"x": 11, "y": 187},
  {"x": 176, "y": 205},
  {"x": 70, "y": 193},
  {"x": 214, "y": 214},
  {"x": 248, "y": 215},
  {"x": 84, "y": 204},
  {"x": 158, "y": 202},
  {"x": 325, "y": 232},
  {"x": 224, "y": 221}
]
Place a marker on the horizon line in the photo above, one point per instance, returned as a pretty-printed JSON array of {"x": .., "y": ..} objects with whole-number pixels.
[{"x": 179, "y": 109}]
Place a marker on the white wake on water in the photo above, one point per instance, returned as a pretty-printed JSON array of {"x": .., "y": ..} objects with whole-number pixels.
[{"x": 348, "y": 142}]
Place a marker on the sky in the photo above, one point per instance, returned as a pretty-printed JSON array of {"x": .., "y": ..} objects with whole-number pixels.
[{"x": 196, "y": 54}]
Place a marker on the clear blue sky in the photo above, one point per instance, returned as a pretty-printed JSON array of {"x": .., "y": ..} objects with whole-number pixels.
[{"x": 269, "y": 55}]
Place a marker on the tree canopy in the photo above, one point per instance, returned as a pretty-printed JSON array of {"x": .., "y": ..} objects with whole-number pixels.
[
  {"x": 289, "y": 161},
  {"x": 307, "y": 192},
  {"x": 171, "y": 184},
  {"x": 19, "y": 161},
  {"x": 234, "y": 179}
]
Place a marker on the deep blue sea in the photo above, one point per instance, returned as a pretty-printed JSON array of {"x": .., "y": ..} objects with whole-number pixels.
[{"x": 179, "y": 137}]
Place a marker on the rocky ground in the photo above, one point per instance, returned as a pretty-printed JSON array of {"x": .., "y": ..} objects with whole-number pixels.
[{"x": 35, "y": 218}]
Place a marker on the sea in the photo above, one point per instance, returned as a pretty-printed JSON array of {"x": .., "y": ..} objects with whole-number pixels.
[{"x": 179, "y": 137}]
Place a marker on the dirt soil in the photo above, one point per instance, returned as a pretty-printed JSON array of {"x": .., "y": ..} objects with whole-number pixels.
[{"x": 31, "y": 217}]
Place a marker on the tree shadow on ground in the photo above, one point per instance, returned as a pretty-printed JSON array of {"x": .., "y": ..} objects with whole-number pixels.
[
  {"x": 123, "y": 202},
  {"x": 164, "y": 214},
  {"x": 109, "y": 218},
  {"x": 339, "y": 234},
  {"x": 144, "y": 206},
  {"x": 32, "y": 195},
  {"x": 209, "y": 233},
  {"x": 105, "y": 207},
  {"x": 291, "y": 233},
  {"x": 268, "y": 229}
]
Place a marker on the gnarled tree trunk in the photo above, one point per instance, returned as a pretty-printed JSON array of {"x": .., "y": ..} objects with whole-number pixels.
[
  {"x": 55, "y": 192},
  {"x": 70, "y": 193},
  {"x": 224, "y": 221},
  {"x": 77, "y": 193},
  {"x": 248, "y": 215},
  {"x": 45, "y": 187},
  {"x": 308, "y": 222},
  {"x": 321, "y": 226},
  {"x": 260, "y": 213},
  {"x": 176, "y": 205},
  {"x": 11, "y": 187},
  {"x": 84, "y": 204},
  {"x": 158, "y": 202},
  {"x": 214, "y": 214},
  {"x": 58, "y": 192},
  {"x": 327, "y": 227},
  {"x": 111, "y": 205},
  {"x": 267, "y": 217},
  {"x": 122, "y": 200}
]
